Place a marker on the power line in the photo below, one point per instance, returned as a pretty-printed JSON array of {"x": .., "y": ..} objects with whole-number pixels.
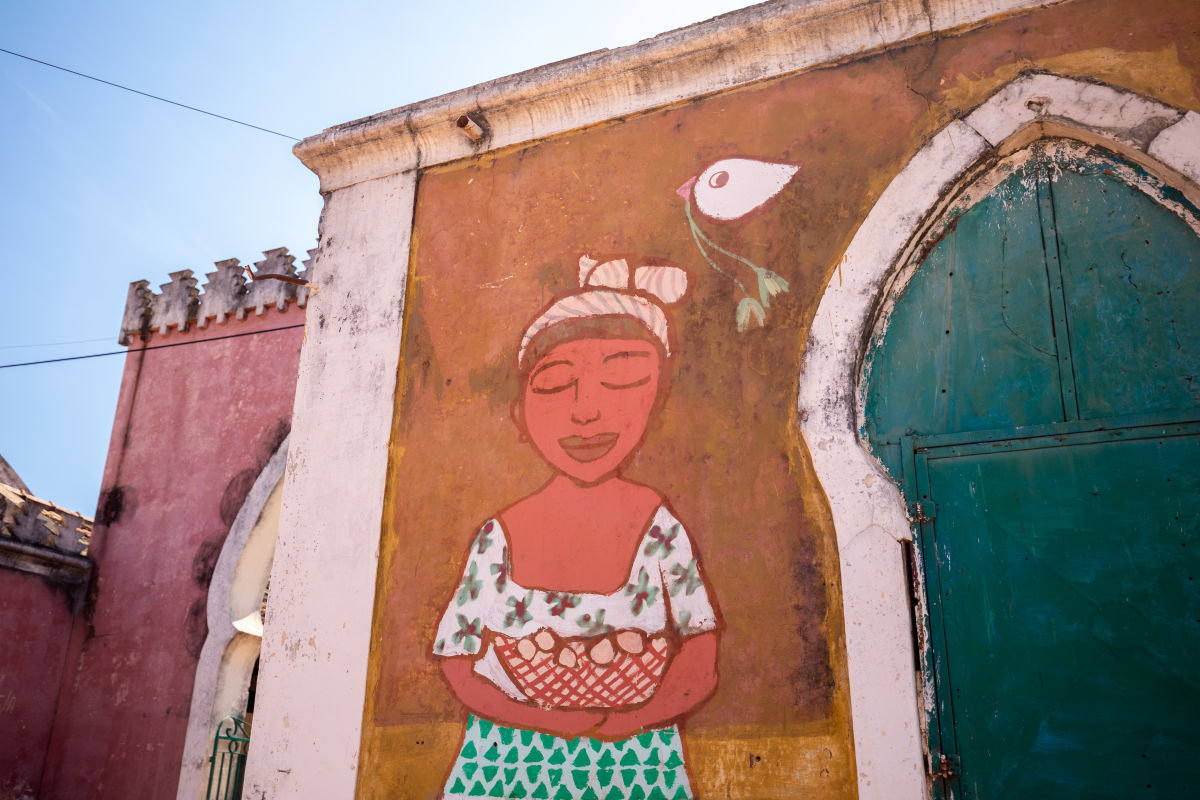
[
  {"x": 146, "y": 94},
  {"x": 151, "y": 347},
  {"x": 52, "y": 344}
]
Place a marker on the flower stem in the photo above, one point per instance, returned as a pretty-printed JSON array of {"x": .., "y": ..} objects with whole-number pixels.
[
  {"x": 696, "y": 230},
  {"x": 697, "y": 235}
]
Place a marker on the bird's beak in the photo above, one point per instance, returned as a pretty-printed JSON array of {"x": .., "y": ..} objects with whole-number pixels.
[{"x": 685, "y": 190}]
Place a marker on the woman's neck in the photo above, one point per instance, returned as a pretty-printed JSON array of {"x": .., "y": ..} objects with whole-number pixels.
[
  {"x": 564, "y": 489},
  {"x": 569, "y": 536}
]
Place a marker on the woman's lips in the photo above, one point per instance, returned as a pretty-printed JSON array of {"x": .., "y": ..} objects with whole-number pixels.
[{"x": 588, "y": 448}]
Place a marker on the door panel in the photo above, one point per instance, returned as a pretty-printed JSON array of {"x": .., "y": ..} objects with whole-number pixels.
[
  {"x": 970, "y": 344},
  {"x": 1069, "y": 611},
  {"x": 1130, "y": 278},
  {"x": 1062, "y": 640}
]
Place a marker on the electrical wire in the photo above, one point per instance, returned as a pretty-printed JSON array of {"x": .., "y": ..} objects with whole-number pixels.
[
  {"x": 151, "y": 347},
  {"x": 146, "y": 94},
  {"x": 53, "y": 344}
]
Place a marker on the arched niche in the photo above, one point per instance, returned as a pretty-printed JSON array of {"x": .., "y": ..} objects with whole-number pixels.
[
  {"x": 236, "y": 598},
  {"x": 888, "y": 697}
]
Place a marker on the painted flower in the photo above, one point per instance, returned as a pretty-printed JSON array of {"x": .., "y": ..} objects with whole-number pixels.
[
  {"x": 470, "y": 585},
  {"x": 594, "y": 625},
  {"x": 642, "y": 592},
  {"x": 501, "y": 571},
  {"x": 561, "y": 602},
  {"x": 687, "y": 578},
  {"x": 483, "y": 540},
  {"x": 520, "y": 611},
  {"x": 769, "y": 284},
  {"x": 661, "y": 540},
  {"x": 469, "y": 633}
]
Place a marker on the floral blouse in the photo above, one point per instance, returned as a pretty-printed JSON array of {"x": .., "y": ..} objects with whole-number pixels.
[{"x": 665, "y": 588}]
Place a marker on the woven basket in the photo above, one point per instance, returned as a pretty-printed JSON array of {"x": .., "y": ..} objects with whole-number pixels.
[{"x": 626, "y": 680}]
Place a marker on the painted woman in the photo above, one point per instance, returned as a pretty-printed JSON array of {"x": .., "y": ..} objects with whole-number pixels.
[{"x": 582, "y": 630}]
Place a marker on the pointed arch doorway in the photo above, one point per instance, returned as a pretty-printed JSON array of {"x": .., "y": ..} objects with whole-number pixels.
[
  {"x": 890, "y": 696},
  {"x": 227, "y": 672},
  {"x": 1033, "y": 391}
]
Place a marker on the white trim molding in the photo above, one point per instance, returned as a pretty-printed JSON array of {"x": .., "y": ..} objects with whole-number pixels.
[
  {"x": 735, "y": 49},
  {"x": 316, "y": 643},
  {"x": 887, "y": 702}
]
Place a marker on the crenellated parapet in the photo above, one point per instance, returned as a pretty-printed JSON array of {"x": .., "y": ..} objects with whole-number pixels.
[{"x": 227, "y": 292}]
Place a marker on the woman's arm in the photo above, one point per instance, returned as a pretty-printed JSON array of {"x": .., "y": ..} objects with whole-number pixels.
[
  {"x": 690, "y": 680},
  {"x": 484, "y": 698}
]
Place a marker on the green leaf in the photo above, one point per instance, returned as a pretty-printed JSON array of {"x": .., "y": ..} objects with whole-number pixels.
[{"x": 749, "y": 310}]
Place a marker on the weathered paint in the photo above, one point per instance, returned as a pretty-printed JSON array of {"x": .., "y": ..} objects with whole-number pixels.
[
  {"x": 313, "y": 666},
  {"x": 724, "y": 457},
  {"x": 194, "y": 427},
  {"x": 865, "y": 502},
  {"x": 1063, "y": 608},
  {"x": 1056, "y": 291},
  {"x": 605, "y": 201},
  {"x": 36, "y": 616},
  {"x": 235, "y": 626}
]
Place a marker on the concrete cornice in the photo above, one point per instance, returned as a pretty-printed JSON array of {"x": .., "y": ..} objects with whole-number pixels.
[{"x": 735, "y": 49}]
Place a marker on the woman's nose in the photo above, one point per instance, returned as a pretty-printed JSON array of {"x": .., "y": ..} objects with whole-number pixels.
[{"x": 586, "y": 407}]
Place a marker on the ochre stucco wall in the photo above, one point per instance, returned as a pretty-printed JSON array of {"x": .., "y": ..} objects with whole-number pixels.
[
  {"x": 194, "y": 427},
  {"x": 495, "y": 237}
]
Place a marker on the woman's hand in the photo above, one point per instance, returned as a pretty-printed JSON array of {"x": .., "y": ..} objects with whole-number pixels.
[{"x": 691, "y": 678}]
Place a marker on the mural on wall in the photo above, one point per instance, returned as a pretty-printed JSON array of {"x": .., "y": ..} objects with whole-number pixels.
[
  {"x": 731, "y": 189},
  {"x": 553, "y": 646},
  {"x": 583, "y": 627}
]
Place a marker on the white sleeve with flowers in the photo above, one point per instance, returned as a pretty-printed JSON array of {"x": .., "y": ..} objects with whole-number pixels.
[
  {"x": 682, "y": 578},
  {"x": 460, "y": 631}
]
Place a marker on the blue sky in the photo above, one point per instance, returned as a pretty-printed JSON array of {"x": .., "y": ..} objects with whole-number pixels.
[{"x": 103, "y": 187}]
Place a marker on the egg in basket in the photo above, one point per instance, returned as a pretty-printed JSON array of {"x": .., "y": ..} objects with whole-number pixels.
[{"x": 611, "y": 671}]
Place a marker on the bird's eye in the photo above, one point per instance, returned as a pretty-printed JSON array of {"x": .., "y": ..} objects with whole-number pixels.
[{"x": 718, "y": 179}]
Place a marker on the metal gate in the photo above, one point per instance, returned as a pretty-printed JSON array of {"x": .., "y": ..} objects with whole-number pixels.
[{"x": 227, "y": 764}]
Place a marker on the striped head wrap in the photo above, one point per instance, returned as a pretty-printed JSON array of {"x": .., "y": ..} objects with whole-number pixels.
[{"x": 612, "y": 289}]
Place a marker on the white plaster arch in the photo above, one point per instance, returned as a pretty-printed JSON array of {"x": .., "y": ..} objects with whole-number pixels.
[
  {"x": 868, "y": 511},
  {"x": 235, "y": 622}
]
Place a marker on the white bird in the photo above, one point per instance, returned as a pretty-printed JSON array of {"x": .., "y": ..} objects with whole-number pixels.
[{"x": 733, "y": 187}]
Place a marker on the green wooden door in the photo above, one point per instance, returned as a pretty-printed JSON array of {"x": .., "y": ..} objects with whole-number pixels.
[{"x": 1035, "y": 394}]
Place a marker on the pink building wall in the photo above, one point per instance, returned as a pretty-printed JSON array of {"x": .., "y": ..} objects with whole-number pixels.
[
  {"x": 193, "y": 428},
  {"x": 35, "y": 627}
]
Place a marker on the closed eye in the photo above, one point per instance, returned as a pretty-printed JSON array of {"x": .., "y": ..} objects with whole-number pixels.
[
  {"x": 553, "y": 377},
  {"x": 634, "y": 384},
  {"x": 626, "y": 369},
  {"x": 543, "y": 388}
]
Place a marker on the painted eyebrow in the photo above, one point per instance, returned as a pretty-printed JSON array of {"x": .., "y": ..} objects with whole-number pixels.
[
  {"x": 543, "y": 367},
  {"x": 628, "y": 354}
]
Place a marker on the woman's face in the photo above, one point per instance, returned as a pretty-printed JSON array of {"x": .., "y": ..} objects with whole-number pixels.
[{"x": 586, "y": 404}]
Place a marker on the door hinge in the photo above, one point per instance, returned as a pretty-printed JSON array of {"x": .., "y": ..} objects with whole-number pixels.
[
  {"x": 946, "y": 766},
  {"x": 926, "y": 510}
]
